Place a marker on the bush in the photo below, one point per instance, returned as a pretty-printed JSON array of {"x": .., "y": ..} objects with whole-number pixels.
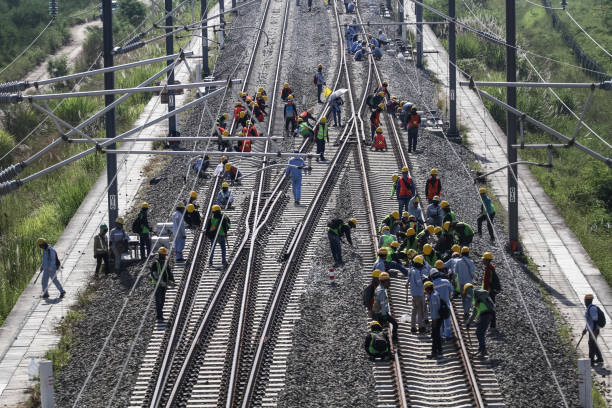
[
  {"x": 20, "y": 119},
  {"x": 92, "y": 47},
  {"x": 132, "y": 11},
  {"x": 467, "y": 46},
  {"x": 7, "y": 141}
]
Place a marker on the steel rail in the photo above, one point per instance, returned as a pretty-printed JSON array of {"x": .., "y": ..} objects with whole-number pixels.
[{"x": 465, "y": 357}]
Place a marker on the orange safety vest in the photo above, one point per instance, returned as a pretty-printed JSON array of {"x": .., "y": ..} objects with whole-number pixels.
[
  {"x": 432, "y": 188},
  {"x": 246, "y": 145},
  {"x": 414, "y": 121},
  {"x": 379, "y": 141},
  {"x": 252, "y": 131},
  {"x": 405, "y": 187},
  {"x": 237, "y": 111}
]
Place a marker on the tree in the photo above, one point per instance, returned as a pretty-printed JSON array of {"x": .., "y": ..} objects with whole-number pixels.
[
  {"x": 58, "y": 66},
  {"x": 132, "y": 11}
]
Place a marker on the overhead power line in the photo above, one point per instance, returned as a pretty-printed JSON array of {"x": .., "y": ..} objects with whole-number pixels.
[
  {"x": 544, "y": 7},
  {"x": 587, "y": 34}
]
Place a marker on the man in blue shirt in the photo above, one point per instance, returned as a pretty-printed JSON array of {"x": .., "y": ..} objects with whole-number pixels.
[
  {"x": 436, "y": 321},
  {"x": 591, "y": 316},
  {"x": 415, "y": 277},
  {"x": 294, "y": 171},
  {"x": 49, "y": 267}
]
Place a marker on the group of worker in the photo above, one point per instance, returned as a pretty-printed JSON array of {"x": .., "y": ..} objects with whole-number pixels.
[{"x": 361, "y": 49}]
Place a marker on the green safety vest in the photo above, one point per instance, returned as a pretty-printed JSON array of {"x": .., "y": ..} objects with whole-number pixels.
[
  {"x": 214, "y": 223},
  {"x": 388, "y": 239},
  {"x": 155, "y": 278},
  {"x": 390, "y": 252},
  {"x": 411, "y": 244},
  {"x": 431, "y": 259},
  {"x": 450, "y": 215},
  {"x": 467, "y": 230},
  {"x": 373, "y": 350},
  {"x": 322, "y": 133},
  {"x": 481, "y": 308},
  {"x": 304, "y": 129}
]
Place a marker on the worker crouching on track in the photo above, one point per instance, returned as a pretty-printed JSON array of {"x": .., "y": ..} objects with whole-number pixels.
[
  {"x": 380, "y": 144},
  {"x": 335, "y": 229},
  {"x": 232, "y": 173},
  {"x": 380, "y": 309},
  {"x": 322, "y": 135},
  {"x": 192, "y": 217},
  {"x": 49, "y": 267},
  {"x": 377, "y": 342},
  {"x": 101, "y": 250},
  {"x": 216, "y": 230},
  {"x": 294, "y": 171},
  {"x": 483, "y": 308},
  {"x": 161, "y": 272}
]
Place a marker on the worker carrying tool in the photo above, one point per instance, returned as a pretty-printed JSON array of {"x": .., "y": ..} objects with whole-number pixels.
[
  {"x": 404, "y": 190},
  {"x": 141, "y": 227},
  {"x": 377, "y": 342},
  {"x": 487, "y": 213},
  {"x": 482, "y": 308},
  {"x": 50, "y": 265},
  {"x": 380, "y": 143},
  {"x": 162, "y": 277},
  {"x": 321, "y": 131},
  {"x": 319, "y": 81},
  {"x": 414, "y": 120},
  {"x": 178, "y": 226},
  {"x": 595, "y": 320},
  {"x": 433, "y": 186},
  {"x": 216, "y": 230},
  {"x": 294, "y": 170},
  {"x": 225, "y": 198},
  {"x": 335, "y": 229}
]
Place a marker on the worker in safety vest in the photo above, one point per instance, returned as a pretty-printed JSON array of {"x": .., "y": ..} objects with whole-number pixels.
[
  {"x": 377, "y": 342},
  {"x": 335, "y": 229},
  {"x": 394, "y": 179},
  {"x": 487, "y": 213},
  {"x": 192, "y": 216},
  {"x": 414, "y": 120},
  {"x": 410, "y": 242},
  {"x": 307, "y": 116},
  {"x": 222, "y": 120},
  {"x": 304, "y": 129},
  {"x": 257, "y": 112},
  {"x": 290, "y": 114},
  {"x": 433, "y": 186},
  {"x": 392, "y": 221},
  {"x": 449, "y": 215},
  {"x": 426, "y": 235},
  {"x": 261, "y": 102},
  {"x": 429, "y": 254},
  {"x": 244, "y": 117},
  {"x": 237, "y": 109},
  {"x": 216, "y": 230},
  {"x": 379, "y": 141},
  {"x": 375, "y": 119},
  {"x": 463, "y": 232},
  {"x": 483, "y": 308},
  {"x": 161, "y": 276},
  {"x": 243, "y": 145},
  {"x": 386, "y": 238},
  {"x": 251, "y": 130},
  {"x": 490, "y": 281},
  {"x": 285, "y": 92},
  {"x": 404, "y": 190},
  {"x": 321, "y": 132}
]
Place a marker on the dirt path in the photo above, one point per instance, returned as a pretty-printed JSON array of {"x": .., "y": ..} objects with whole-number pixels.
[{"x": 71, "y": 50}]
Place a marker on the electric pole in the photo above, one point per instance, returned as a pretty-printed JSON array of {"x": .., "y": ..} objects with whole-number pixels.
[
  {"x": 109, "y": 83},
  {"x": 400, "y": 15},
  {"x": 418, "y": 11},
  {"x": 170, "y": 74},
  {"x": 452, "y": 73},
  {"x": 221, "y": 23},
  {"x": 511, "y": 123},
  {"x": 204, "y": 16}
]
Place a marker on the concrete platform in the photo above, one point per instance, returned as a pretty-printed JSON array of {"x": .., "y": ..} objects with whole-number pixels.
[
  {"x": 565, "y": 267},
  {"x": 28, "y": 332}
]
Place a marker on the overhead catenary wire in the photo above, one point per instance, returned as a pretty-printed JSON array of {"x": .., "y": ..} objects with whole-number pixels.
[
  {"x": 543, "y": 6},
  {"x": 587, "y": 34}
]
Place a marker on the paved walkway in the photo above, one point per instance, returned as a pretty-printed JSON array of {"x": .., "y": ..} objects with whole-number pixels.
[
  {"x": 563, "y": 264},
  {"x": 28, "y": 332}
]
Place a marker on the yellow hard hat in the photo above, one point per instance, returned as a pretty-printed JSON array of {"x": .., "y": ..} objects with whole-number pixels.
[
  {"x": 444, "y": 204},
  {"x": 380, "y": 105},
  {"x": 381, "y": 94},
  {"x": 228, "y": 166},
  {"x": 410, "y": 232},
  {"x": 395, "y": 214},
  {"x": 225, "y": 184},
  {"x": 162, "y": 251},
  {"x": 193, "y": 194},
  {"x": 386, "y": 228},
  {"x": 222, "y": 159},
  {"x": 439, "y": 264},
  {"x": 430, "y": 229},
  {"x": 144, "y": 205},
  {"x": 216, "y": 207},
  {"x": 395, "y": 244},
  {"x": 258, "y": 94},
  {"x": 248, "y": 122},
  {"x": 378, "y": 130},
  {"x": 286, "y": 85},
  {"x": 414, "y": 107},
  {"x": 411, "y": 253},
  {"x": 225, "y": 116},
  {"x": 482, "y": 190},
  {"x": 588, "y": 296},
  {"x": 242, "y": 115},
  {"x": 238, "y": 103},
  {"x": 427, "y": 249},
  {"x": 300, "y": 120},
  {"x": 437, "y": 230},
  {"x": 383, "y": 276},
  {"x": 465, "y": 250},
  {"x": 320, "y": 66},
  {"x": 434, "y": 172},
  {"x": 428, "y": 285},
  {"x": 323, "y": 119},
  {"x": 41, "y": 241},
  {"x": 456, "y": 248},
  {"x": 119, "y": 221},
  {"x": 240, "y": 93},
  {"x": 456, "y": 254},
  {"x": 405, "y": 214},
  {"x": 487, "y": 255},
  {"x": 225, "y": 132},
  {"x": 310, "y": 111},
  {"x": 394, "y": 177},
  {"x": 446, "y": 225},
  {"x": 436, "y": 198},
  {"x": 404, "y": 169},
  {"x": 252, "y": 104},
  {"x": 190, "y": 208},
  {"x": 376, "y": 273},
  {"x": 383, "y": 251},
  {"x": 290, "y": 97},
  {"x": 180, "y": 205},
  {"x": 374, "y": 324},
  {"x": 466, "y": 287},
  {"x": 260, "y": 90},
  {"x": 416, "y": 199},
  {"x": 385, "y": 83},
  {"x": 418, "y": 259},
  {"x": 353, "y": 221}
]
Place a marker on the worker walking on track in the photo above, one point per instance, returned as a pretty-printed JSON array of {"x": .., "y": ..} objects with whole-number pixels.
[
  {"x": 414, "y": 120},
  {"x": 404, "y": 190},
  {"x": 101, "y": 250},
  {"x": 490, "y": 281},
  {"x": 49, "y": 267},
  {"x": 285, "y": 92},
  {"x": 368, "y": 291},
  {"x": 321, "y": 131},
  {"x": 487, "y": 213},
  {"x": 433, "y": 186},
  {"x": 335, "y": 229},
  {"x": 319, "y": 81},
  {"x": 192, "y": 216},
  {"x": 141, "y": 227},
  {"x": 290, "y": 115},
  {"x": 225, "y": 198},
  {"x": 483, "y": 308},
  {"x": 444, "y": 289},
  {"x": 381, "y": 310},
  {"x": 216, "y": 230},
  {"x": 595, "y": 319},
  {"x": 119, "y": 241},
  {"x": 377, "y": 342},
  {"x": 178, "y": 227},
  {"x": 418, "y": 273},
  {"x": 161, "y": 276},
  {"x": 435, "y": 307},
  {"x": 294, "y": 171},
  {"x": 336, "y": 109}
]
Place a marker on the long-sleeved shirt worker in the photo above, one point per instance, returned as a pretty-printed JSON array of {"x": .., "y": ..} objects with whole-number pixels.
[
  {"x": 590, "y": 316},
  {"x": 340, "y": 228},
  {"x": 413, "y": 209},
  {"x": 415, "y": 278},
  {"x": 100, "y": 245},
  {"x": 294, "y": 169},
  {"x": 380, "y": 296},
  {"x": 434, "y": 305},
  {"x": 224, "y": 198},
  {"x": 320, "y": 78},
  {"x": 118, "y": 235},
  {"x": 465, "y": 271},
  {"x": 434, "y": 214},
  {"x": 49, "y": 259},
  {"x": 178, "y": 224}
]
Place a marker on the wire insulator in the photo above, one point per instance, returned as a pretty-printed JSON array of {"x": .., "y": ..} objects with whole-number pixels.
[
  {"x": 9, "y": 98},
  {"x": 129, "y": 47},
  {"x": 9, "y": 186},
  {"x": 14, "y": 86},
  {"x": 11, "y": 171},
  {"x": 134, "y": 39}
]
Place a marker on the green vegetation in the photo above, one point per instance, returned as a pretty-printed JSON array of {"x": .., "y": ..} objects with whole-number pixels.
[
  {"x": 580, "y": 187},
  {"x": 598, "y": 399}
]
